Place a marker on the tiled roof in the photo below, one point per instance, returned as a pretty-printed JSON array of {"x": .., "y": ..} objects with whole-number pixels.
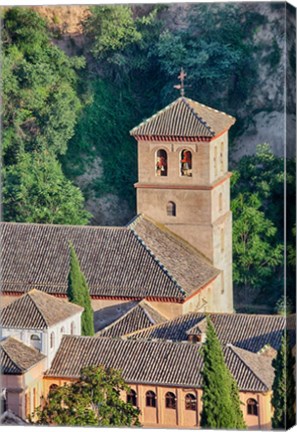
[
  {"x": 115, "y": 261},
  {"x": 37, "y": 310},
  {"x": 181, "y": 260},
  {"x": 184, "y": 118},
  {"x": 142, "y": 315},
  {"x": 16, "y": 357},
  {"x": 147, "y": 362},
  {"x": 250, "y": 332},
  {"x": 10, "y": 418}
]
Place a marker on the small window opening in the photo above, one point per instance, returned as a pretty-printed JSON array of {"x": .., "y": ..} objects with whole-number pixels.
[
  {"x": 52, "y": 340},
  {"x": 222, "y": 240},
  {"x": 171, "y": 208},
  {"x": 252, "y": 407},
  {"x": 190, "y": 402},
  {"x": 222, "y": 158},
  {"x": 170, "y": 400},
  {"x": 150, "y": 399},
  {"x": 215, "y": 161},
  {"x": 132, "y": 397}
]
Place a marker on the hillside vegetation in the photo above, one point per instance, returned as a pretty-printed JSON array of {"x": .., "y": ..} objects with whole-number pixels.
[{"x": 77, "y": 79}]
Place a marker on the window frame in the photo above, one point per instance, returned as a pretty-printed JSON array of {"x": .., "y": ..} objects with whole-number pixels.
[
  {"x": 252, "y": 407},
  {"x": 171, "y": 209},
  {"x": 182, "y": 170},
  {"x": 132, "y": 395},
  {"x": 161, "y": 152},
  {"x": 150, "y": 399},
  {"x": 170, "y": 401},
  {"x": 190, "y": 402}
]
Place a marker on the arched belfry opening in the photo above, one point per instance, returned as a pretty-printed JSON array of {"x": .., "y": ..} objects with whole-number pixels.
[
  {"x": 161, "y": 163},
  {"x": 186, "y": 163}
]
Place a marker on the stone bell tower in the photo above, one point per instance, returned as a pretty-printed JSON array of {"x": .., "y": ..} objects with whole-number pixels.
[{"x": 184, "y": 183}]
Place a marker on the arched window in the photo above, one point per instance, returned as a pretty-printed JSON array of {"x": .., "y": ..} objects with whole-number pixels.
[
  {"x": 252, "y": 407},
  {"x": 52, "y": 340},
  {"x": 171, "y": 208},
  {"x": 222, "y": 158},
  {"x": 35, "y": 341},
  {"x": 53, "y": 387},
  {"x": 215, "y": 161},
  {"x": 170, "y": 400},
  {"x": 222, "y": 240},
  {"x": 62, "y": 330},
  {"x": 72, "y": 328},
  {"x": 190, "y": 402},
  {"x": 186, "y": 163},
  {"x": 161, "y": 163},
  {"x": 150, "y": 399},
  {"x": 132, "y": 397},
  {"x": 220, "y": 201}
]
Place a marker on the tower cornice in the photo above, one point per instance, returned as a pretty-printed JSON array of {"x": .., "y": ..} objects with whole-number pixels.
[{"x": 185, "y": 186}]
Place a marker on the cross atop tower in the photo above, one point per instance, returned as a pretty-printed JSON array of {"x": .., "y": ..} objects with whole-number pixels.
[{"x": 181, "y": 86}]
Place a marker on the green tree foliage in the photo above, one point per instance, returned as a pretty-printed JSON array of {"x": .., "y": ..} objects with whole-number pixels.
[
  {"x": 103, "y": 131},
  {"x": 284, "y": 306},
  {"x": 35, "y": 190},
  {"x": 283, "y": 399},
  {"x": 39, "y": 112},
  {"x": 40, "y": 103},
  {"x": 256, "y": 254},
  {"x": 94, "y": 400},
  {"x": 111, "y": 28},
  {"x": 258, "y": 202},
  {"x": 78, "y": 293},
  {"x": 220, "y": 398},
  {"x": 215, "y": 47}
]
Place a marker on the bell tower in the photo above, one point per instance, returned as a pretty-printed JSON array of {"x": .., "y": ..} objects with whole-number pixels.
[{"x": 184, "y": 183}]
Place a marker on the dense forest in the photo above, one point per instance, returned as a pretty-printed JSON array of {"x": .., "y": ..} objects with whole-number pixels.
[{"x": 66, "y": 115}]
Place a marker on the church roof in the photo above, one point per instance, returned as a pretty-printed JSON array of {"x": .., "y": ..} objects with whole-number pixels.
[
  {"x": 157, "y": 363},
  {"x": 16, "y": 357},
  {"x": 246, "y": 331},
  {"x": 142, "y": 315},
  {"x": 184, "y": 118},
  {"x": 10, "y": 418},
  {"x": 37, "y": 310},
  {"x": 117, "y": 262}
]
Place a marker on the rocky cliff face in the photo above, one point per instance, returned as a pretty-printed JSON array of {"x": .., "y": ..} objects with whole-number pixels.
[
  {"x": 268, "y": 102},
  {"x": 264, "y": 110},
  {"x": 265, "y": 106}
]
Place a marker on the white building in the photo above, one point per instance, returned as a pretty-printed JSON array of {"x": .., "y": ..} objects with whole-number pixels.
[{"x": 40, "y": 320}]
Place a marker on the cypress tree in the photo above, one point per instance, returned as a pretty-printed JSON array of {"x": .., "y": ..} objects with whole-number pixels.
[
  {"x": 220, "y": 398},
  {"x": 283, "y": 387},
  {"x": 78, "y": 293}
]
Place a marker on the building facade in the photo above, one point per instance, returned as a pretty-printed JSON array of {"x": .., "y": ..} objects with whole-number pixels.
[{"x": 40, "y": 320}]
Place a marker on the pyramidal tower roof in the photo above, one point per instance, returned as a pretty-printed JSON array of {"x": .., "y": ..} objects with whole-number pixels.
[{"x": 184, "y": 118}]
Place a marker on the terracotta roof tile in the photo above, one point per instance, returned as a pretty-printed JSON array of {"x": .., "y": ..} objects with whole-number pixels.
[
  {"x": 140, "y": 316},
  {"x": 184, "y": 118},
  {"x": 184, "y": 263},
  {"x": 139, "y": 261},
  {"x": 113, "y": 260},
  {"x": 16, "y": 357},
  {"x": 37, "y": 310},
  {"x": 250, "y": 332},
  {"x": 147, "y": 362}
]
